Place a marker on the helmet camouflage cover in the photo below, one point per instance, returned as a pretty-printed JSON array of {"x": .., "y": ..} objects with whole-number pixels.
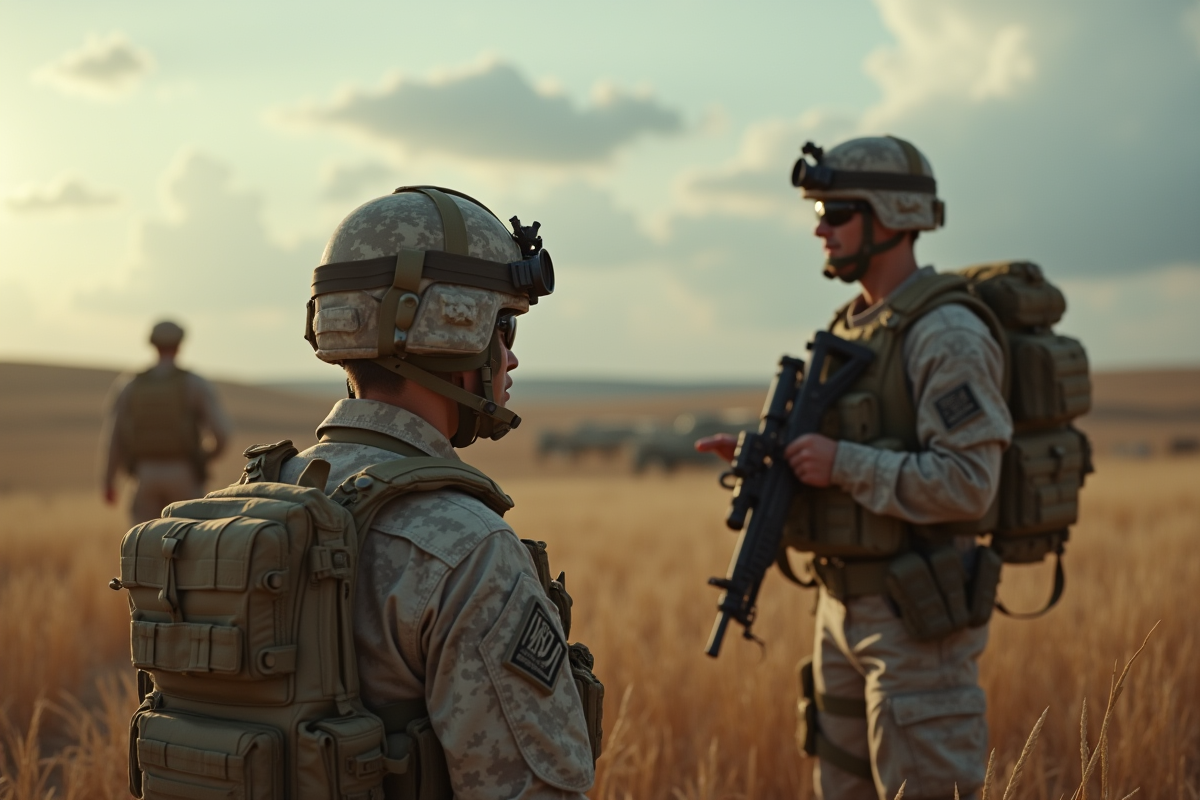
[
  {"x": 415, "y": 281},
  {"x": 886, "y": 171}
]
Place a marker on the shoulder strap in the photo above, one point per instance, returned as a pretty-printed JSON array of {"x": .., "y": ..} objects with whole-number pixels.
[
  {"x": 372, "y": 439},
  {"x": 365, "y": 492}
]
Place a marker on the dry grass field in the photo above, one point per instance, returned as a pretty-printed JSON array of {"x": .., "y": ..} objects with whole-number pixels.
[{"x": 637, "y": 552}]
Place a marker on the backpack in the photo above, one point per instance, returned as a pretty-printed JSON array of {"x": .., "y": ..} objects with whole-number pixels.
[
  {"x": 1045, "y": 466},
  {"x": 243, "y": 640},
  {"x": 158, "y": 422}
]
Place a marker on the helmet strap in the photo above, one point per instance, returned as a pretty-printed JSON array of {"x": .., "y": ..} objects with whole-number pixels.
[
  {"x": 477, "y": 415},
  {"x": 867, "y": 250}
]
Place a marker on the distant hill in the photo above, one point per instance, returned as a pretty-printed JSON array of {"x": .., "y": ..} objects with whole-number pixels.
[{"x": 51, "y": 417}]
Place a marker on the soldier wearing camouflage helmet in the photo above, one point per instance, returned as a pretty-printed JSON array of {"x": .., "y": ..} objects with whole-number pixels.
[
  {"x": 417, "y": 299},
  {"x": 155, "y": 429},
  {"x": 894, "y": 495}
]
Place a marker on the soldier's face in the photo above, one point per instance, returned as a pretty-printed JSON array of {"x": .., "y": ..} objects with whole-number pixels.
[
  {"x": 502, "y": 380},
  {"x": 842, "y": 240}
]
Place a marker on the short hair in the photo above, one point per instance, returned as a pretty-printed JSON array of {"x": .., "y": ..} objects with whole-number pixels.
[{"x": 367, "y": 376}]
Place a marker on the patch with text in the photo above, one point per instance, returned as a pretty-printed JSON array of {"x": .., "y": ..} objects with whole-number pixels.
[
  {"x": 957, "y": 406},
  {"x": 538, "y": 651}
]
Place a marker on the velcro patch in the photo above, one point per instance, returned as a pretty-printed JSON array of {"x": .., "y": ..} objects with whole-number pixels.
[
  {"x": 957, "y": 406},
  {"x": 538, "y": 651}
]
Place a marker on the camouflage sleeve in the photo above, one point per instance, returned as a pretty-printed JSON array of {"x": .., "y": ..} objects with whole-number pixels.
[
  {"x": 955, "y": 369},
  {"x": 498, "y": 686},
  {"x": 113, "y": 459},
  {"x": 211, "y": 416}
]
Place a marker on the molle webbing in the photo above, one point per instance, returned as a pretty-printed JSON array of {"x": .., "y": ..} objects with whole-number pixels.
[
  {"x": 378, "y": 273},
  {"x": 382, "y": 441}
]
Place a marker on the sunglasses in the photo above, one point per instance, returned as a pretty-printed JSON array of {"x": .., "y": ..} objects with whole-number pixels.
[
  {"x": 837, "y": 212},
  {"x": 506, "y": 326}
]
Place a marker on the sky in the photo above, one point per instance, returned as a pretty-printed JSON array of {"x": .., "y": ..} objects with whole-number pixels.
[{"x": 189, "y": 160}]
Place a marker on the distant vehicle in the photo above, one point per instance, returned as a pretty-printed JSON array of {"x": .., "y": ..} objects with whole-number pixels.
[
  {"x": 1184, "y": 446},
  {"x": 601, "y": 437},
  {"x": 673, "y": 446}
]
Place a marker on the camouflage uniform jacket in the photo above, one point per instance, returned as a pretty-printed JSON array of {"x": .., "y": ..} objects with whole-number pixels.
[
  {"x": 956, "y": 474},
  {"x": 443, "y": 588}
]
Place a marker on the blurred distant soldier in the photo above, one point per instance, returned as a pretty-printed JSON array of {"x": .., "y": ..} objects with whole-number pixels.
[
  {"x": 894, "y": 676},
  {"x": 429, "y": 657},
  {"x": 156, "y": 429}
]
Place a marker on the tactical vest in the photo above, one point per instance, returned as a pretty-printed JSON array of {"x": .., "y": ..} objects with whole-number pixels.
[
  {"x": 1047, "y": 386},
  {"x": 159, "y": 422},
  {"x": 243, "y": 639}
]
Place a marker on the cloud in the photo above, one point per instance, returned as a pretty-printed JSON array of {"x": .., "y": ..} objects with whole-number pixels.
[
  {"x": 62, "y": 195},
  {"x": 491, "y": 114},
  {"x": 103, "y": 68},
  {"x": 211, "y": 252},
  {"x": 946, "y": 49},
  {"x": 359, "y": 181}
]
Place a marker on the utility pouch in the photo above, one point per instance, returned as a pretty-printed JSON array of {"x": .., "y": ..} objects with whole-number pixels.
[
  {"x": 591, "y": 692},
  {"x": 984, "y": 585},
  {"x": 1040, "y": 480},
  {"x": 913, "y": 588},
  {"x": 556, "y": 589},
  {"x": 829, "y": 523},
  {"x": 951, "y": 578},
  {"x": 1018, "y": 293},
  {"x": 341, "y": 758},
  {"x": 1050, "y": 383},
  {"x": 191, "y": 756},
  {"x": 806, "y": 709}
]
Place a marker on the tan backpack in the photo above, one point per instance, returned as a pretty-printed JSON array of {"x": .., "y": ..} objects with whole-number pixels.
[
  {"x": 242, "y": 637},
  {"x": 1045, "y": 466}
]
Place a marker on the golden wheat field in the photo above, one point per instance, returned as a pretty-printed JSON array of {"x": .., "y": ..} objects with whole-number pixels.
[
  {"x": 679, "y": 725},
  {"x": 637, "y": 552}
]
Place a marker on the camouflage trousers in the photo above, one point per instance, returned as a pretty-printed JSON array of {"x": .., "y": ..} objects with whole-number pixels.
[
  {"x": 160, "y": 483},
  {"x": 924, "y": 717}
]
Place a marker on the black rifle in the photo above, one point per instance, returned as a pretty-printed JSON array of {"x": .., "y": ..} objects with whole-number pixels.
[{"x": 765, "y": 482}]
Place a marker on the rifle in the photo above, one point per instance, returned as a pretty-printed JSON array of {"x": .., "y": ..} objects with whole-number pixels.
[{"x": 765, "y": 483}]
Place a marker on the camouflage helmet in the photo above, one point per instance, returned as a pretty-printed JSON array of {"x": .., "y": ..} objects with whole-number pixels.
[
  {"x": 886, "y": 171},
  {"x": 416, "y": 282},
  {"x": 166, "y": 334},
  {"x": 888, "y": 178}
]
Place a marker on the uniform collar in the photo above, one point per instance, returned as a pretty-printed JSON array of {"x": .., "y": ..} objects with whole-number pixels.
[
  {"x": 373, "y": 415},
  {"x": 857, "y": 319}
]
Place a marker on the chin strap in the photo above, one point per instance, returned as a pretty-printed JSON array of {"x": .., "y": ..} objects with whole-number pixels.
[
  {"x": 866, "y": 251},
  {"x": 478, "y": 416}
]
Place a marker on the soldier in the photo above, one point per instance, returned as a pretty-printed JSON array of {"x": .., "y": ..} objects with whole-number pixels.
[
  {"x": 443, "y": 602},
  {"x": 155, "y": 429},
  {"x": 895, "y": 703}
]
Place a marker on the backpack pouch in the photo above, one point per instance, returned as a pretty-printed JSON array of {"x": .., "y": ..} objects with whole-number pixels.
[
  {"x": 212, "y": 605},
  {"x": 1050, "y": 383},
  {"x": 1043, "y": 473},
  {"x": 1018, "y": 292},
  {"x": 190, "y": 756}
]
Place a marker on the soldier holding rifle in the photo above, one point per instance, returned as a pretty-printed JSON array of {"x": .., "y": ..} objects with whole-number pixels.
[{"x": 903, "y": 464}]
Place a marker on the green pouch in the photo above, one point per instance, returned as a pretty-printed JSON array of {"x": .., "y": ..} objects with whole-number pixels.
[
  {"x": 806, "y": 709},
  {"x": 912, "y": 587},
  {"x": 984, "y": 585},
  {"x": 591, "y": 693},
  {"x": 947, "y": 568}
]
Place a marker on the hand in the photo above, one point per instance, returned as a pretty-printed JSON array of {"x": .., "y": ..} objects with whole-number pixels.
[
  {"x": 110, "y": 495},
  {"x": 811, "y": 458},
  {"x": 723, "y": 444}
]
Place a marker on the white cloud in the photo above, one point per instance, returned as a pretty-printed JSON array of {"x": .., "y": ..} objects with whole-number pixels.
[
  {"x": 211, "y": 251},
  {"x": 945, "y": 48},
  {"x": 62, "y": 195},
  {"x": 103, "y": 68},
  {"x": 491, "y": 113}
]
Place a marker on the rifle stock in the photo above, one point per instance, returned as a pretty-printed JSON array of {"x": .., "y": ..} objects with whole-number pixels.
[{"x": 765, "y": 483}]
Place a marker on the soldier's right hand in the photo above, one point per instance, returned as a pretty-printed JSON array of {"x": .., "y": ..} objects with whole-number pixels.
[
  {"x": 723, "y": 444},
  {"x": 110, "y": 495}
]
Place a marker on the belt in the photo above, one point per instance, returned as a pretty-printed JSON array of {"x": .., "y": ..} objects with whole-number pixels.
[{"x": 844, "y": 580}]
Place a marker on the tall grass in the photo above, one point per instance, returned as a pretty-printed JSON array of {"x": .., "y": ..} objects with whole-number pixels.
[{"x": 680, "y": 725}]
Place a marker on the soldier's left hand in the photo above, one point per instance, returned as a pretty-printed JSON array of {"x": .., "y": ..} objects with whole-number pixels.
[{"x": 811, "y": 458}]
